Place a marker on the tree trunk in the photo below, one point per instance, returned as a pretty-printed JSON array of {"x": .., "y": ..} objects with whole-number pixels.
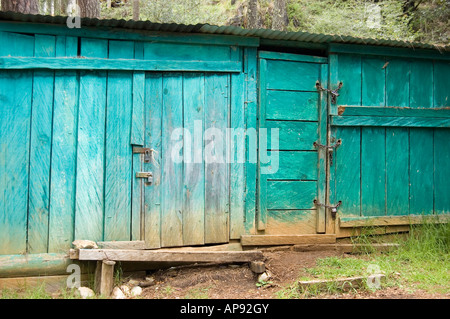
[
  {"x": 280, "y": 18},
  {"x": 252, "y": 15},
  {"x": 21, "y": 6},
  {"x": 89, "y": 8},
  {"x": 136, "y": 10}
]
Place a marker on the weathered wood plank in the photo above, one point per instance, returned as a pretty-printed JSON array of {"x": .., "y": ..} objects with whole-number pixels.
[
  {"x": 397, "y": 140},
  {"x": 373, "y": 141},
  {"x": 347, "y": 157},
  {"x": 216, "y": 168},
  {"x": 281, "y": 73},
  {"x": 64, "y": 148},
  {"x": 322, "y": 154},
  {"x": 292, "y": 165},
  {"x": 169, "y": 255},
  {"x": 153, "y": 139},
  {"x": 186, "y": 52},
  {"x": 441, "y": 171},
  {"x": 22, "y": 63},
  {"x": 251, "y": 97},
  {"x": 40, "y": 149},
  {"x": 291, "y": 105},
  {"x": 91, "y": 147},
  {"x": 194, "y": 170},
  {"x": 391, "y": 220},
  {"x": 441, "y": 82},
  {"x": 394, "y": 111},
  {"x": 267, "y": 240},
  {"x": 124, "y": 34},
  {"x": 291, "y": 57},
  {"x": 172, "y": 166},
  {"x": 135, "y": 244},
  {"x": 291, "y": 222},
  {"x": 118, "y": 152},
  {"x": 237, "y": 149},
  {"x": 15, "y": 113},
  {"x": 291, "y": 194},
  {"x": 341, "y": 283},
  {"x": 293, "y": 135},
  {"x": 390, "y": 121}
]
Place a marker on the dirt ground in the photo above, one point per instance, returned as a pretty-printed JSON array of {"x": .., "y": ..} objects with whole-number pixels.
[{"x": 237, "y": 281}]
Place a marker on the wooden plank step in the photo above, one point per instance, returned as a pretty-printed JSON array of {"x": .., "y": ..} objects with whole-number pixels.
[
  {"x": 268, "y": 240},
  {"x": 346, "y": 248},
  {"x": 343, "y": 283},
  {"x": 166, "y": 255}
]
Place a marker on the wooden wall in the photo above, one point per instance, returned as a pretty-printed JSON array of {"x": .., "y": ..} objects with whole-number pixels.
[
  {"x": 67, "y": 128},
  {"x": 391, "y": 161}
]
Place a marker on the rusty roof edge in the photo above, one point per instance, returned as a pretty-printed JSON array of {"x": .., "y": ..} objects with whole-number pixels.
[{"x": 296, "y": 36}]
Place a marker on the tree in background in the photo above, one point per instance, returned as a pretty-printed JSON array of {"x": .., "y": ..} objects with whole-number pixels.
[
  {"x": 280, "y": 19},
  {"x": 21, "y": 6},
  {"x": 89, "y": 8}
]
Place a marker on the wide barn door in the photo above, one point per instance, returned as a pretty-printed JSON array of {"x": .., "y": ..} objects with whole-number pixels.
[
  {"x": 292, "y": 171},
  {"x": 186, "y": 200}
]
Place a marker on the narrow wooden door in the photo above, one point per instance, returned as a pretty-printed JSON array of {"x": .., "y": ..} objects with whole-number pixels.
[
  {"x": 292, "y": 172},
  {"x": 187, "y": 201}
]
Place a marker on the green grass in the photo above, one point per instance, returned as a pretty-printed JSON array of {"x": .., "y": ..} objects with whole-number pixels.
[{"x": 421, "y": 262}]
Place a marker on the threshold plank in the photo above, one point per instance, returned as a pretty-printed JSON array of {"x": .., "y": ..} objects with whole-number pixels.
[{"x": 267, "y": 240}]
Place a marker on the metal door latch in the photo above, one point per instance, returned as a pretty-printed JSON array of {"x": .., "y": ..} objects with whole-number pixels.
[
  {"x": 329, "y": 148},
  {"x": 147, "y": 175},
  {"x": 333, "y": 208},
  {"x": 334, "y": 93},
  {"x": 143, "y": 150}
]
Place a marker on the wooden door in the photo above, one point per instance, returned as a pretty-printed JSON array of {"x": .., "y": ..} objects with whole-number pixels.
[
  {"x": 291, "y": 103},
  {"x": 187, "y": 202}
]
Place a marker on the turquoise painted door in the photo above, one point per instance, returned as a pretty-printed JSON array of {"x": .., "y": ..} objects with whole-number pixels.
[
  {"x": 292, "y": 172},
  {"x": 187, "y": 202}
]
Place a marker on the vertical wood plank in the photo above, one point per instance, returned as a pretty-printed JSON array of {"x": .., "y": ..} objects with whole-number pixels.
[
  {"x": 172, "y": 171},
  {"x": 347, "y": 157},
  {"x": 237, "y": 164},
  {"x": 64, "y": 150},
  {"x": 441, "y": 141},
  {"x": 322, "y": 155},
  {"x": 194, "y": 170},
  {"x": 89, "y": 205},
  {"x": 153, "y": 140},
  {"x": 138, "y": 138},
  {"x": 250, "y": 69},
  {"x": 216, "y": 168},
  {"x": 421, "y": 141},
  {"x": 373, "y": 141},
  {"x": 15, "y": 112},
  {"x": 40, "y": 148},
  {"x": 397, "y": 140},
  {"x": 261, "y": 217},
  {"x": 118, "y": 165}
]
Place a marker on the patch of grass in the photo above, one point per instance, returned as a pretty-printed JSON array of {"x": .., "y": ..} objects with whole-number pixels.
[
  {"x": 422, "y": 261},
  {"x": 198, "y": 293},
  {"x": 25, "y": 292}
]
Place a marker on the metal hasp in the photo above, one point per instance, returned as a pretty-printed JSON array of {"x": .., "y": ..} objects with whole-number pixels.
[
  {"x": 333, "y": 208},
  {"x": 147, "y": 175},
  {"x": 329, "y": 148},
  {"x": 334, "y": 93},
  {"x": 143, "y": 150}
]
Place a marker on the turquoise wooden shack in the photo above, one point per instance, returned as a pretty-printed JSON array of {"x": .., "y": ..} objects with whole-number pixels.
[{"x": 87, "y": 122}]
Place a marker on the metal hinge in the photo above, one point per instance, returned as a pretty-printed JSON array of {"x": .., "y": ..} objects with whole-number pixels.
[
  {"x": 333, "y": 208},
  {"x": 334, "y": 93},
  {"x": 329, "y": 148},
  {"x": 147, "y": 175}
]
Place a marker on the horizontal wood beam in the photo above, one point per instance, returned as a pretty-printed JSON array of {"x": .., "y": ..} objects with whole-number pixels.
[
  {"x": 33, "y": 264},
  {"x": 129, "y": 34},
  {"x": 391, "y": 220},
  {"x": 351, "y": 110},
  {"x": 268, "y": 240},
  {"x": 138, "y": 244},
  {"x": 389, "y": 51},
  {"x": 20, "y": 63},
  {"x": 169, "y": 255},
  {"x": 404, "y": 121},
  {"x": 291, "y": 57}
]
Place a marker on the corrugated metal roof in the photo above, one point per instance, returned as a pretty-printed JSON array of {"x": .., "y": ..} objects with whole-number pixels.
[{"x": 225, "y": 30}]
